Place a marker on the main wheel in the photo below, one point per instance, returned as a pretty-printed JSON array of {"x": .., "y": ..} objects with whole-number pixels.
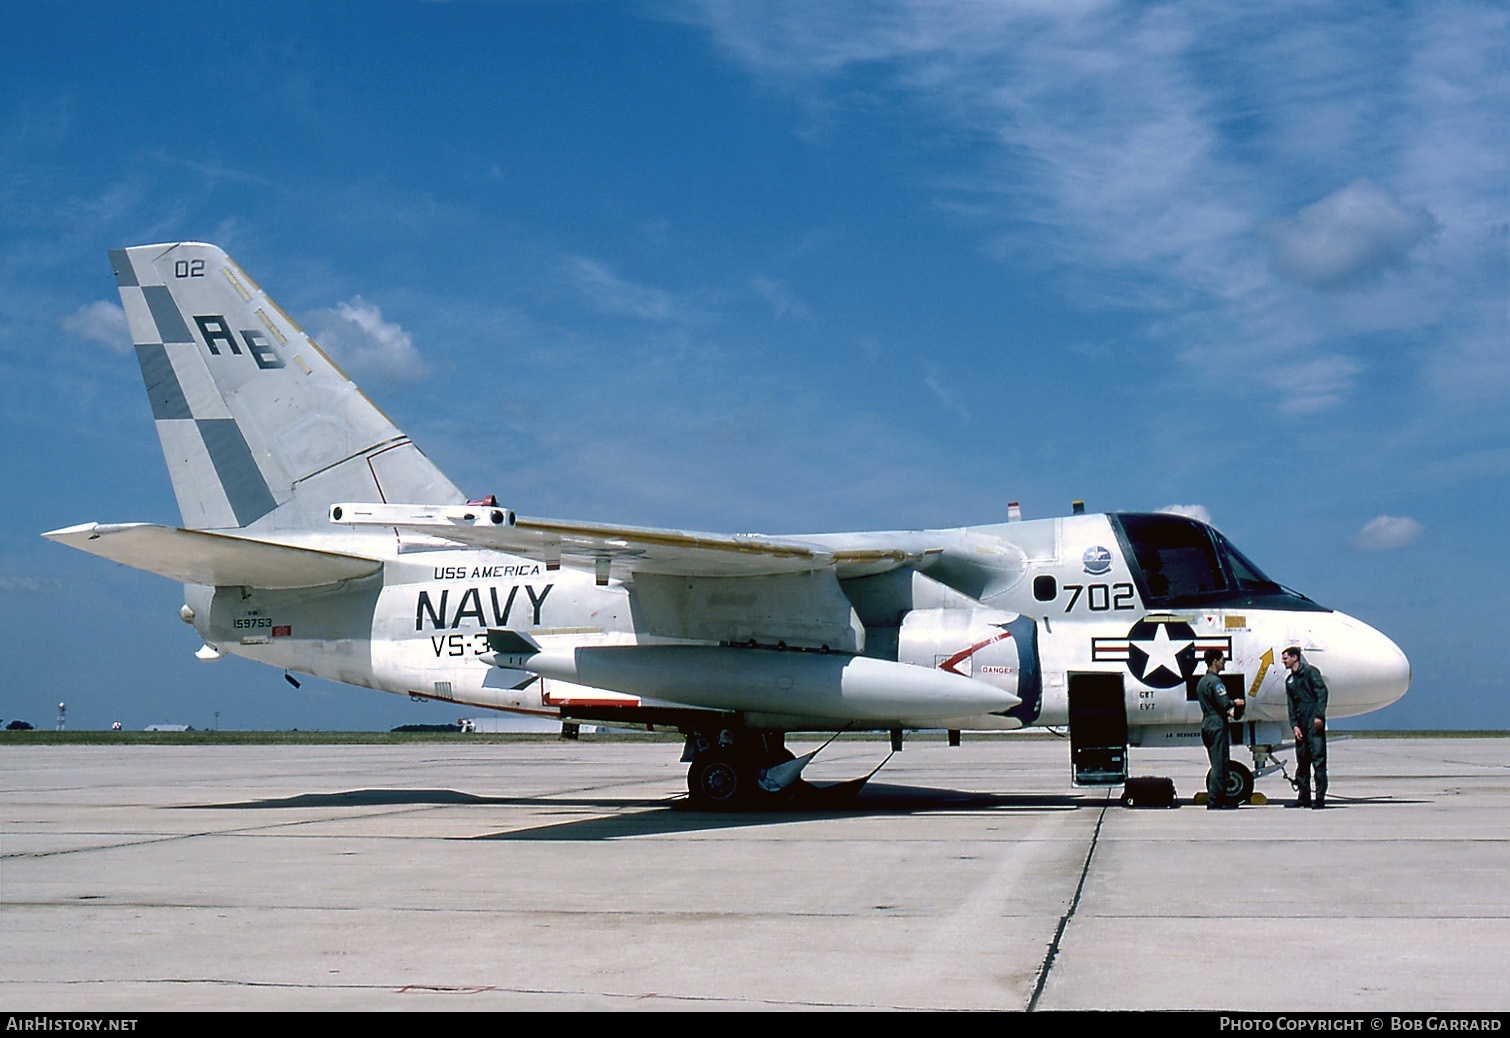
[{"x": 717, "y": 781}]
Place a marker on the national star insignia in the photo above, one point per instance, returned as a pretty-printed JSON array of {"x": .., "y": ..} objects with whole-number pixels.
[{"x": 1163, "y": 651}]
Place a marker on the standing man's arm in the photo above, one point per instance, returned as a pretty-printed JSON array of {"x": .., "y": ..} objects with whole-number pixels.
[
  {"x": 1217, "y": 693},
  {"x": 1319, "y": 684},
  {"x": 1213, "y": 696},
  {"x": 1290, "y": 701},
  {"x": 1226, "y": 702}
]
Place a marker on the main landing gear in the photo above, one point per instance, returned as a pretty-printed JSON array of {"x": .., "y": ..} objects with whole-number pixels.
[{"x": 740, "y": 769}]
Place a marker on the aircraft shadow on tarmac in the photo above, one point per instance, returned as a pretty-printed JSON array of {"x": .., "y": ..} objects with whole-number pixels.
[
  {"x": 676, "y": 815},
  {"x": 673, "y": 815},
  {"x": 679, "y": 816},
  {"x": 877, "y": 798},
  {"x": 375, "y": 798},
  {"x": 878, "y": 801}
]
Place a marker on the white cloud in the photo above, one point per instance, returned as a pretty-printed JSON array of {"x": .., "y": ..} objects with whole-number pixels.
[
  {"x": 1475, "y": 366},
  {"x": 1347, "y": 239},
  {"x": 1197, "y": 512},
  {"x": 101, "y": 322},
  {"x": 612, "y": 294},
  {"x": 356, "y": 336},
  {"x": 1388, "y": 533},
  {"x": 1309, "y": 384},
  {"x": 1141, "y": 152},
  {"x": 28, "y": 585},
  {"x": 945, "y": 397},
  {"x": 779, "y": 296}
]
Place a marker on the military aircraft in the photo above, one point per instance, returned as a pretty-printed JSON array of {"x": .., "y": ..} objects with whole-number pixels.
[{"x": 318, "y": 539}]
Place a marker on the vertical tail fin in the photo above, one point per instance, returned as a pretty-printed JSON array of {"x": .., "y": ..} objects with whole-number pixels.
[{"x": 260, "y": 429}]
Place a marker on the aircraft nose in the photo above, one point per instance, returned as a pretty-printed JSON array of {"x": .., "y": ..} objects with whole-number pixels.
[{"x": 1365, "y": 670}]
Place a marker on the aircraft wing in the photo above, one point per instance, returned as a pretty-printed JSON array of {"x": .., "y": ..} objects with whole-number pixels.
[
  {"x": 630, "y": 549},
  {"x": 214, "y": 559}
]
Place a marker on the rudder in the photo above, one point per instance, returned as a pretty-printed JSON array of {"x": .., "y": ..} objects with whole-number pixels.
[{"x": 260, "y": 429}]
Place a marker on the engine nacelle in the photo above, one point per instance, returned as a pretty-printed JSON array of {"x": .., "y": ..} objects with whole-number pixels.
[{"x": 989, "y": 645}]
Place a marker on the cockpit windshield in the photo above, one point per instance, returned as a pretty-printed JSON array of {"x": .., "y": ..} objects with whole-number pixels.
[{"x": 1181, "y": 562}]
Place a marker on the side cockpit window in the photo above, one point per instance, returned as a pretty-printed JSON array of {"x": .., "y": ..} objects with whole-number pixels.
[
  {"x": 1176, "y": 556},
  {"x": 1181, "y": 563},
  {"x": 1249, "y": 577}
]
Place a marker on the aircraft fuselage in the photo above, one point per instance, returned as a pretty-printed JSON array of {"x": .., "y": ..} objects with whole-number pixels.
[{"x": 422, "y": 629}]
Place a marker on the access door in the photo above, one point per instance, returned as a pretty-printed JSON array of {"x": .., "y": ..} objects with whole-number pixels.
[{"x": 1098, "y": 730}]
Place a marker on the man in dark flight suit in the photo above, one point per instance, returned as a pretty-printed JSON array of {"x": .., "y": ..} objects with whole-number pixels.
[
  {"x": 1216, "y": 708},
  {"x": 1306, "y": 690}
]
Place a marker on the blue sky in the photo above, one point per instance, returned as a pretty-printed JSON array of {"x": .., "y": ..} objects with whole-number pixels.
[{"x": 788, "y": 268}]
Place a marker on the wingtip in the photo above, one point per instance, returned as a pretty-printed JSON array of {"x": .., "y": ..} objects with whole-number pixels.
[{"x": 73, "y": 533}]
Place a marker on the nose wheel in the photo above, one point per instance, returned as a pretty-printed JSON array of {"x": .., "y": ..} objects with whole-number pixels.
[{"x": 1239, "y": 786}]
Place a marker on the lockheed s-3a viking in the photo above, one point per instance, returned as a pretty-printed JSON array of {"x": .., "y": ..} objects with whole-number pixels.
[{"x": 318, "y": 539}]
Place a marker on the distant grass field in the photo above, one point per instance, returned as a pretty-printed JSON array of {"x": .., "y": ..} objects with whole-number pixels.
[
  {"x": 299, "y": 738},
  {"x": 320, "y": 738}
]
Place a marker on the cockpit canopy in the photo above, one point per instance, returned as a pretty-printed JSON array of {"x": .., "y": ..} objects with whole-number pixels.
[{"x": 1180, "y": 562}]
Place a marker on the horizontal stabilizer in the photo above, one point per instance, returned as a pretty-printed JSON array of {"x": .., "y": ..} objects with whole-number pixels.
[{"x": 213, "y": 559}]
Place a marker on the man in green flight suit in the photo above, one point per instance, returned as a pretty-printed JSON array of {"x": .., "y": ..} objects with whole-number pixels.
[
  {"x": 1216, "y": 708},
  {"x": 1306, "y": 690}
]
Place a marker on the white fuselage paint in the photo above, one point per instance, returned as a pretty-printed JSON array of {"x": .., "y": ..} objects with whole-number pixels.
[{"x": 423, "y": 631}]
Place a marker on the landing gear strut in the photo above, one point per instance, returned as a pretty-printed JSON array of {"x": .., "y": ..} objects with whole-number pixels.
[{"x": 730, "y": 769}]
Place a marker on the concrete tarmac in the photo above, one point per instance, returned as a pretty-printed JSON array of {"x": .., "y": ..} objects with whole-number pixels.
[{"x": 562, "y": 876}]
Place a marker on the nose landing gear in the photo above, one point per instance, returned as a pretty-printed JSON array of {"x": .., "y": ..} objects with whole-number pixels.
[{"x": 1239, "y": 788}]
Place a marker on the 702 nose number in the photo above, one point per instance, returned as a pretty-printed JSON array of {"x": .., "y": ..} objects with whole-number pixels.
[{"x": 1101, "y": 598}]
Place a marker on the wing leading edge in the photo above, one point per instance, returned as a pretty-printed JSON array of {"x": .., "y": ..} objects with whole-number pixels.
[{"x": 627, "y": 550}]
